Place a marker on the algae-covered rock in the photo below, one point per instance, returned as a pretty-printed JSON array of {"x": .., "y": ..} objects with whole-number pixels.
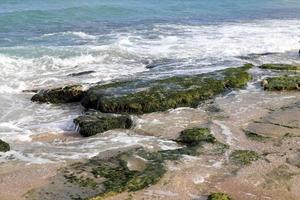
[
  {"x": 96, "y": 122},
  {"x": 67, "y": 94},
  {"x": 282, "y": 67},
  {"x": 4, "y": 146},
  {"x": 219, "y": 196},
  {"x": 109, "y": 176},
  {"x": 144, "y": 96},
  {"x": 244, "y": 157},
  {"x": 195, "y": 136},
  {"x": 282, "y": 83},
  {"x": 113, "y": 172}
]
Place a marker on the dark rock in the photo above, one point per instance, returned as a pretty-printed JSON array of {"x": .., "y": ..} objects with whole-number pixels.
[
  {"x": 67, "y": 94},
  {"x": 96, "y": 122},
  {"x": 81, "y": 73},
  {"x": 141, "y": 96},
  {"x": 4, "y": 146},
  {"x": 30, "y": 91}
]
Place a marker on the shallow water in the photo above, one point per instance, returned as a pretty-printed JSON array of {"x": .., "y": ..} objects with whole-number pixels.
[{"x": 43, "y": 42}]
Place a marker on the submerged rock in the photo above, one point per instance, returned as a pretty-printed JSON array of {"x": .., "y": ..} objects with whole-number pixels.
[
  {"x": 219, "y": 196},
  {"x": 67, "y": 94},
  {"x": 142, "y": 96},
  {"x": 283, "y": 83},
  {"x": 96, "y": 122},
  {"x": 282, "y": 67},
  {"x": 4, "y": 146},
  {"x": 105, "y": 175},
  {"x": 244, "y": 157}
]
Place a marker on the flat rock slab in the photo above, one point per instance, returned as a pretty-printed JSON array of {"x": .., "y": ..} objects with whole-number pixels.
[
  {"x": 170, "y": 123},
  {"x": 288, "y": 118},
  {"x": 279, "y": 123},
  {"x": 271, "y": 130}
]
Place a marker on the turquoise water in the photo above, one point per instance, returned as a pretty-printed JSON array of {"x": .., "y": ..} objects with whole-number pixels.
[
  {"x": 20, "y": 21},
  {"x": 43, "y": 42}
]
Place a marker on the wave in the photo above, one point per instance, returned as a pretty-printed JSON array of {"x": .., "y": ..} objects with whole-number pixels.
[{"x": 81, "y": 35}]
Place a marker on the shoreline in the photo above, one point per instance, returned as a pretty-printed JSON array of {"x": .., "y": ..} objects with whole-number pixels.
[{"x": 227, "y": 116}]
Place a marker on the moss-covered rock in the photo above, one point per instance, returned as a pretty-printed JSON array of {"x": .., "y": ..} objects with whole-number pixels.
[
  {"x": 219, "y": 196},
  {"x": 195, "y": 136},
  {"x": 144, "y": 96},
  {"x": 113, "y": 175},
  {"x": 96, "y": 122},
  {"x": 4, "y": 146},
  {"x": 244, "y": 157},
  {"x": 67, "y": 94},
  {"x": 283, "y": 83},
  {"x": 282, "y": 67}
]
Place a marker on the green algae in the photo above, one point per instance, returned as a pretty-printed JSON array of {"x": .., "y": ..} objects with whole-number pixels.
[
  {"x": 244, "y": 157},
  {"x": 195, "y": 136},
  {"x": 160, "y": 95},
  {"x": 237, "y": 77},
  {"x": 4, "y": 146},
  {"x": 283, "y": 83},
  {"x": 67, "y": 94},
  {"x": 96, "y": 122},
  {"x": 281, "y": 67},
  {"x": 219, "y": 196}
]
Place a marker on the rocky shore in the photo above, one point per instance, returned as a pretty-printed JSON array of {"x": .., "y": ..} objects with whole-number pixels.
[{"x": 233, "y": 142}]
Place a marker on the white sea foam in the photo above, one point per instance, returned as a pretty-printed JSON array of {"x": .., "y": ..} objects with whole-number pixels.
[
  {"x": 214, "y": 41},
  {"x": 89, "y": 147}
]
